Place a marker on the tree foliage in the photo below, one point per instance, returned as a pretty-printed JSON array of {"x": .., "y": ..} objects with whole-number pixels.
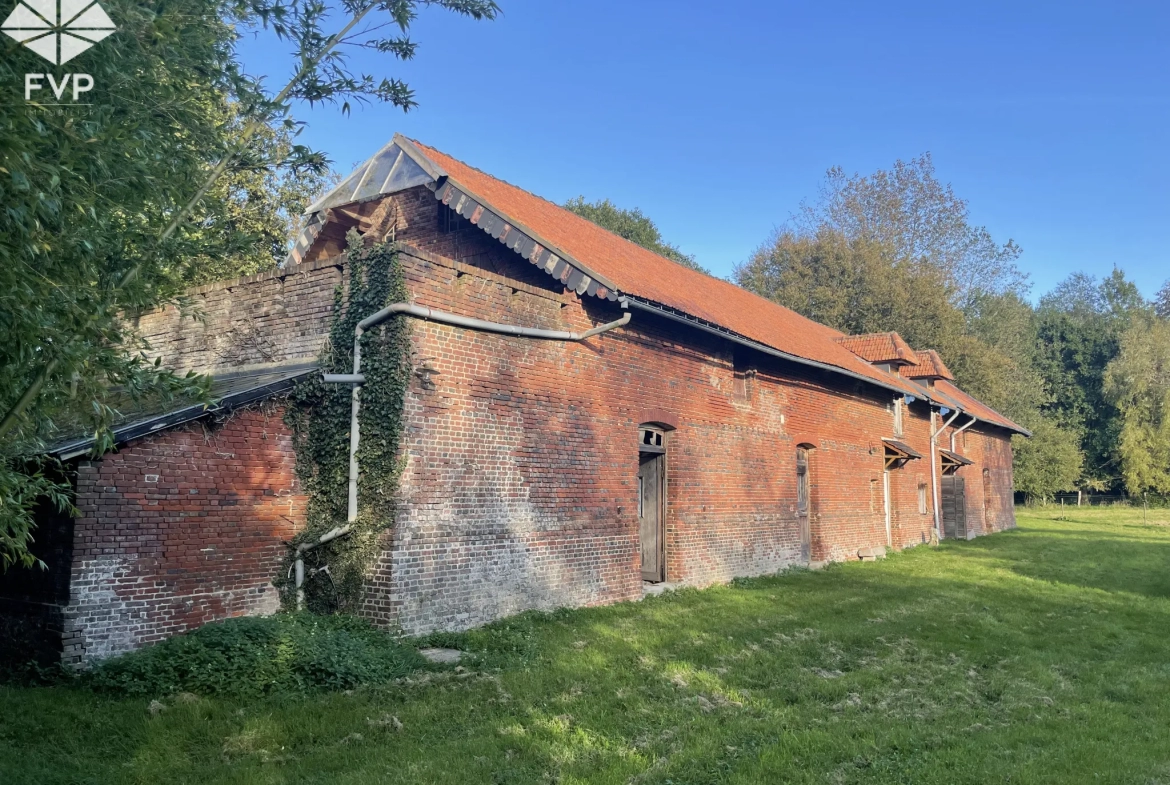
[
  {"x": 1138, "y": 382},
  {"x": 1162, "y": 301},
  {"x": 633, "y": 225},
  {"x": 1079, "y": 328},
  {"x": 896, "y": 250},
  {"x": 115, "y": 206},
  {"x": 1047, "y": 462},
  {"x": 920, "y": 220}
]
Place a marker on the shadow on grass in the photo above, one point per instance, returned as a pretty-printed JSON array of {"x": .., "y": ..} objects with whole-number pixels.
[{"x": 936, "y": 665}]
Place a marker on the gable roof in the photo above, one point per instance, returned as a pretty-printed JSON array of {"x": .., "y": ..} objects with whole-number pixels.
[
  {"x": 880, "y": 348},
  {"x": 637, "y": 272},
  {"x": 594, "y": 262}
]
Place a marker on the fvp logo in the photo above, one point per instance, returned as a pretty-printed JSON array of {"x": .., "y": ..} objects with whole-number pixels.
[{"x": 58, "y": 30}]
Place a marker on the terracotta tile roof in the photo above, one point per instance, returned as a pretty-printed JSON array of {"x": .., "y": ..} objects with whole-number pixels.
[
  {"x": 880, "y": 348},
  {"x": 646, "y": 275},
  {"x": 642, "y": 274},
  {"x": 973, "y": 406},
  {"x": 929, "y": 366}
]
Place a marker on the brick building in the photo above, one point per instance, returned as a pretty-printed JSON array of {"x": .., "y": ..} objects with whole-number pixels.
[{"x": 714, "y": 434}]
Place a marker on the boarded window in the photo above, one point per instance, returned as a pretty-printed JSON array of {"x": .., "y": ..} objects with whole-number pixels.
[
  {"x": 898, "y": 406},
  {"x": 922, "y": 498}
]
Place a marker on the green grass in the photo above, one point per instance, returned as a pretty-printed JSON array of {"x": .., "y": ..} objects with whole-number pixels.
[{"x": 1040, "y": 655}]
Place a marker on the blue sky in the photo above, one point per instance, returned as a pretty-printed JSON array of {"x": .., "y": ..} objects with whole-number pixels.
[{"x": 717, "y": 119}]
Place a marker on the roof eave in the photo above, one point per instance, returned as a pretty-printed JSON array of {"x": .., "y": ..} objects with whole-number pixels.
[{"x": 163, "y": 422}]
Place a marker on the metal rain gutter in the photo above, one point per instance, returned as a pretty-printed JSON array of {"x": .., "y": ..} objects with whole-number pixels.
[
  {"x": 357, "y": 378},
  {"x": 934, "y": 465}
]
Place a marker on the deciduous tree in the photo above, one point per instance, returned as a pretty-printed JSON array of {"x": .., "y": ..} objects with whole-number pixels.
[
  {"x": 634, "y": 226},
  {"x": 106, "y": 208},
  {"x": 1138, "y": 382}
]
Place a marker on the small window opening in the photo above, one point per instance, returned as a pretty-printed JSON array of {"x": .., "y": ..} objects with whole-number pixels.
[
  {"x": 651, "y": 438},
  {"x": 898, "y": 427},
  {"x": 451, "y": 221},
  {"x": 922, "y": 498}
]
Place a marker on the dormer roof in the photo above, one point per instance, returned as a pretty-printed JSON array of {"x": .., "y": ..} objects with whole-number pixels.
[
  {"x": 929, "y": 366},
  {"x": 880, "y": 348}
]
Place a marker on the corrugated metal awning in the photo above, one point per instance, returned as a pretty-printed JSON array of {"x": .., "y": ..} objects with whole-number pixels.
[
  {"x": 903, "y": 449},
  {"x": 954, "y": 459},
  {"x": 228, "y": 391}
]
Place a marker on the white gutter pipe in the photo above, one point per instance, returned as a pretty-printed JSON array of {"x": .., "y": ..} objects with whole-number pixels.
[
  {"x": 299, "y": 564},
  {"x": 960, "y": 430},
  {"x": 934, "y": 466},
  {"x": 357, "y": 378}
]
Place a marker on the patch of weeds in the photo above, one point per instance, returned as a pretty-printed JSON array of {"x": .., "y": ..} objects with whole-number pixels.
[{"x": 252, "y": 656}]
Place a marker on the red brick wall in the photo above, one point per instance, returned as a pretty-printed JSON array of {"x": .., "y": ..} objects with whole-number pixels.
[
  {"x": 277, "y": 317},
  {"x": 989, "y": 498},
  {"x": 180, "y": 529},
  {"x": 521, "y": 458}
]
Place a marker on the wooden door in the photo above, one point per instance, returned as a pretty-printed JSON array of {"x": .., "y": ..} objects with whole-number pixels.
[
  {"x": 651, "y": 509},
  {"x": 802, "y": 504},
  {"x": 954, "y": 507}
]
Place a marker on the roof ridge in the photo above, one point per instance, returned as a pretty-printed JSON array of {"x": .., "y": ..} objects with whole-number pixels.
[
  {"x": 566, "y": 210},
  {"x": 631, "y": 243}
]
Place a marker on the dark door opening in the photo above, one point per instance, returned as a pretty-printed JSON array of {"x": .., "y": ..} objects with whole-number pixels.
[{"x": 954, "y": 507}]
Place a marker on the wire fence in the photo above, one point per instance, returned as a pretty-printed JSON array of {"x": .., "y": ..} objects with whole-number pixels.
[{"x": 1084, "y": 499}]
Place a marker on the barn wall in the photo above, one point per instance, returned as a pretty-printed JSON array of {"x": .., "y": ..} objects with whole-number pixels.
[
  {"x": 180, "y": 529},
  {"x": 521, "y": 459},
  {"x": 989, "y": 500}
]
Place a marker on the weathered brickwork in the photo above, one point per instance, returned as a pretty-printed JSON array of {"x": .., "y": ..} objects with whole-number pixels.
[
  {"x": 522, "y": 458},
  {"x": 520, "y": 486},
  {"x": 989, "y": 481},
  {"x": 179, "y": 529},
  {"x": 269, "y": 318}
]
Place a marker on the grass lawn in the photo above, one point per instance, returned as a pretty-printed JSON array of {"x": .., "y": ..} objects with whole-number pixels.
[{"x": 1039, "y": 655}]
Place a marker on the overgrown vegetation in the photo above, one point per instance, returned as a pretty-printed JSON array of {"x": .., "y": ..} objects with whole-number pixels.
[
  {"x": 176, "y": 170},
  {"x": 1034, "y": 656},
  {"x": 319, "y": 416},
  {"x": 254, "y": 656}
]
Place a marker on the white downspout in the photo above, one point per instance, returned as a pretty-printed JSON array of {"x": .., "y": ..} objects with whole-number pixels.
[
  {"x": 357, "y": 379},
  {"x": 934, "y": 468},
  {"x": 960, "y": 430}
]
